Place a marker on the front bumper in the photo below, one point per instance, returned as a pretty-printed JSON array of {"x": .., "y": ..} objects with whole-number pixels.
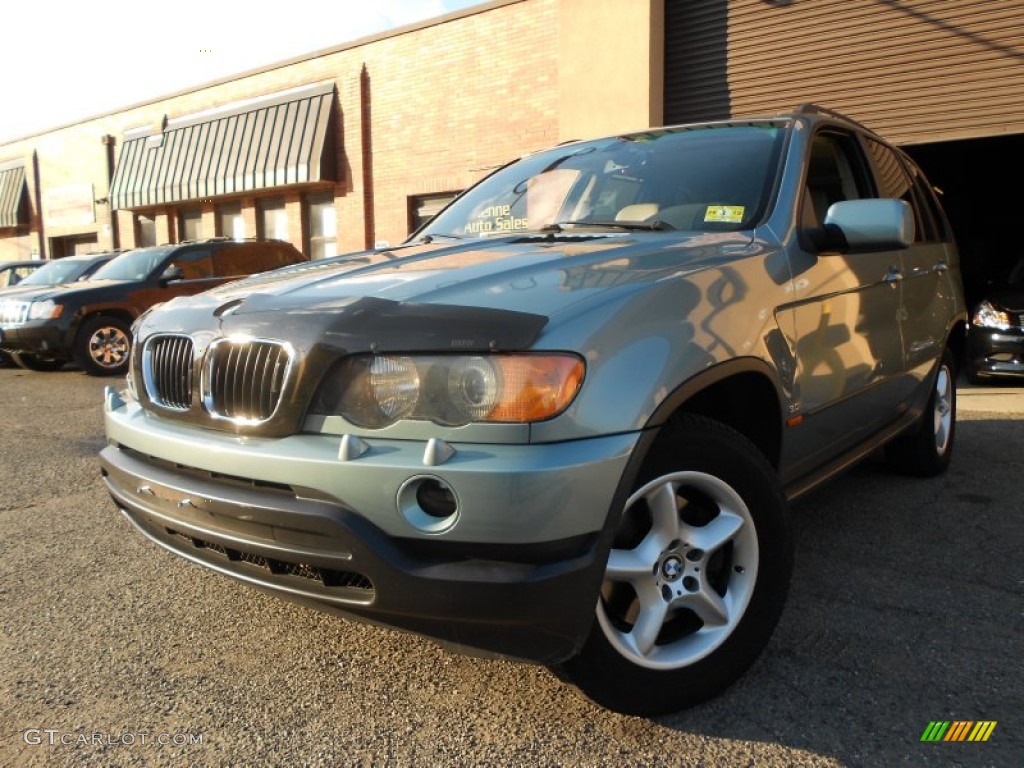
[
  {"x": 992, "y": 352},
  {"x": 45, "y": 338},
  {"x": 516, "y": 575}
]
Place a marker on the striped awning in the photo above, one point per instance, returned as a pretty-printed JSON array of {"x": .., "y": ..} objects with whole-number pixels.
[
  {"x": 263, "y": 143},
  {"x": 12, "y": 193}
]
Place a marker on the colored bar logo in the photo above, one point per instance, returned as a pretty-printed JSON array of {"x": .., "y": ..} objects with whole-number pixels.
[{"x": 958, "y": 730}]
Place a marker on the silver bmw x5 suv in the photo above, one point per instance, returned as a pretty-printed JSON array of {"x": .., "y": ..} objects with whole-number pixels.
[{"x": 563, "y": 421}]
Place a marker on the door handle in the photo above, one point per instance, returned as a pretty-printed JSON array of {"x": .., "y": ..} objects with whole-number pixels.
[
  {"x": 894, "y": 275},
  {"x": 941, "y": 266}
]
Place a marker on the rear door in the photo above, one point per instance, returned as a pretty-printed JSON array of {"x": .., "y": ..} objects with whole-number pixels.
[{"x": 927, "y": 292}]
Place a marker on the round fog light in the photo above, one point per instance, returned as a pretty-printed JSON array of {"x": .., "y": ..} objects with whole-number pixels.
[
  {"x": 428, "y": 504},
  {"x": 435, "y": 498}
]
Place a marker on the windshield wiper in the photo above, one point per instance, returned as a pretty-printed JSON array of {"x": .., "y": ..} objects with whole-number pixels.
[
  {"x": 431, "y": 238},
  {"x": 656, "y": 225}
]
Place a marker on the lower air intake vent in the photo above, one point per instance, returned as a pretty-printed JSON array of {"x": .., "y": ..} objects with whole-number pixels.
[{"x": 326, "y": 577}]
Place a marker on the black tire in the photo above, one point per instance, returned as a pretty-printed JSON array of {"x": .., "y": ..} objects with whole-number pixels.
[
  {"x": 103, "y": 345},
  {"x": 730, "y": 559},
  {"x": 926, "y": 449},
  {"x": 30, "y": 362}
]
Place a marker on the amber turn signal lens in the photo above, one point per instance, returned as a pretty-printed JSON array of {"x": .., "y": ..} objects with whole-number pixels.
[{"x": 535, "y": 387}]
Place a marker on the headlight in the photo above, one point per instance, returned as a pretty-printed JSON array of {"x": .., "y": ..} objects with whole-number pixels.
[
  {"x": 987, "y": 316},
  {"x": 453, "y": 390},
  {"x": 44, "y": 310}
]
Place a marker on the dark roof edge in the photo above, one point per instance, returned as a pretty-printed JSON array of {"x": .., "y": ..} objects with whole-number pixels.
[{"x": 397, "y": 31}]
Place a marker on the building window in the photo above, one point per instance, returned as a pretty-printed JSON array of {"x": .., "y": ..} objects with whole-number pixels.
[
  {"x": 273, "y": 219},
  {"x": 230, "y": 222},
  {"x": 190, "y": 225},
  {"x": 422, "y": 208},
  {"x": 145, "y": 231},
  {"x": 323, "y": 227}
]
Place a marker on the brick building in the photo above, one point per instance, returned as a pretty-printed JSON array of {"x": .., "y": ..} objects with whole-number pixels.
[
  {"x": 352, "y": 146},
  {"x": 335, "y": 151}
]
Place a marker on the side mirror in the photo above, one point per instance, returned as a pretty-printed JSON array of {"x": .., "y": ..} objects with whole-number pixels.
[
  {"x": 171, "y": 274},
  {"x": 872, "y": 225}
]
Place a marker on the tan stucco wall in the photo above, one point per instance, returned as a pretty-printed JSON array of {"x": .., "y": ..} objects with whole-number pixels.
[{"x": 611, "y": 66}]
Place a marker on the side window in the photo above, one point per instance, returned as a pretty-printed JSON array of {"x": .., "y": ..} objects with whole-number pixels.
[
  {"x": 893, "y": 181},
  {"x": 194, "y": 265},
  {"x": 938, "y": 229},
  {"x": 251, "y": 258},
  {"x": 835, "y": 172},
  {"x": 235, "y": 262}
]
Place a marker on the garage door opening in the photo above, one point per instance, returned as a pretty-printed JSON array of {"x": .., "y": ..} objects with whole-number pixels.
[{"x": 983, "y": 201}]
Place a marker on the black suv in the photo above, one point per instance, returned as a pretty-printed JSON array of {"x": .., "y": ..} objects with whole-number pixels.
[{"x": 89, "y": 322}]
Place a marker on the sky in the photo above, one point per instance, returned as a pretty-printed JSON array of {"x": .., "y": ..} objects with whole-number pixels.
[{"x": 66, "y": 61}]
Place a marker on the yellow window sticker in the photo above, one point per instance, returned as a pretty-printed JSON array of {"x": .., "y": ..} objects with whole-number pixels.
[{"x": 732, "y": 214}]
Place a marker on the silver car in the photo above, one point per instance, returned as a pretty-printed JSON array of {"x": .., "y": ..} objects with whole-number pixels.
[{"x": 563, "y": 421}]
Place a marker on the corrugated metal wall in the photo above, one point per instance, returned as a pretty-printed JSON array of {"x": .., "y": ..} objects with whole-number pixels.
[{"x": 913, "y": 70}]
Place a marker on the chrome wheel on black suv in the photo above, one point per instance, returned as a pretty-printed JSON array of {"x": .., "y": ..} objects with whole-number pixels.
[{"x": 103, "y": 346}]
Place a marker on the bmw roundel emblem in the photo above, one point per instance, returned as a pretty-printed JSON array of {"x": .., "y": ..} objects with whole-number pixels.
[{"x": 672, "y": 567}]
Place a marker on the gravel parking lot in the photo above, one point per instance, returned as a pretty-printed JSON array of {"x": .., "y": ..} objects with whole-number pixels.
[{"x": 906, "y": 607}]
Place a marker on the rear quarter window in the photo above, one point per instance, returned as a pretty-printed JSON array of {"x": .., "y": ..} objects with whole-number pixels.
[{"x": 253, "y": 258}]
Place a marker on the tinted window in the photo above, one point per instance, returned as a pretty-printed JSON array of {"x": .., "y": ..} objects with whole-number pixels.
[
  {"x": 835, "y": 172},
  {"x": 133, "y": 265},
  {"x": 13, "y": 275},
  {"x": 56, "y": 272},
  {"x": 927, "y": 202},
  {"x": 250, "y": 258},
  {"x": 895, "y": 182},
  {"x": 194, "y": 265}
]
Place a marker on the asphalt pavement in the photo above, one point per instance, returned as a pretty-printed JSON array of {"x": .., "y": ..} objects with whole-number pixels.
[{"x": 906, "y": 608}]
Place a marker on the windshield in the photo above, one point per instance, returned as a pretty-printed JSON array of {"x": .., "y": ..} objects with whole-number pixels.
[
  {"x": 55, "y": 272},
  {"x": 696, "y": 179},
  {"x": 134, "y": 265}
]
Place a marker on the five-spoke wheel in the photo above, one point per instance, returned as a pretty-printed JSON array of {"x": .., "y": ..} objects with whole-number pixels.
[
  {"x": 696, "y": 576},
  {"x": 675, "y": 595}
]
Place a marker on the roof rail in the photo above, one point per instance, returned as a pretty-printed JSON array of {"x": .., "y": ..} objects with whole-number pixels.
[{"x": 809, "y": 108}]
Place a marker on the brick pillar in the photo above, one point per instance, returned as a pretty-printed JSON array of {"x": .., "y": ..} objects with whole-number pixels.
[
  {"x": 350, "y": 193},
  {"x": 173, "y": 226},
  {"x": 297, "y": 225}
]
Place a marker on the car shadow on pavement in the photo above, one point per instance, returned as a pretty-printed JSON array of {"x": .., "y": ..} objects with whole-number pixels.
[{"x": 905, "y": 608}]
